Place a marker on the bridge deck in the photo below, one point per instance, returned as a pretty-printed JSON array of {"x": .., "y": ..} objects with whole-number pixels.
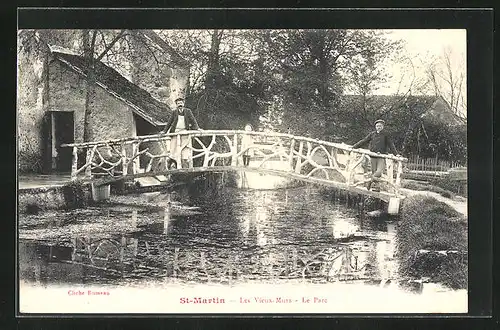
[
  {"x": 294, "y": 157},
  {"x": 383, "y": 195}
]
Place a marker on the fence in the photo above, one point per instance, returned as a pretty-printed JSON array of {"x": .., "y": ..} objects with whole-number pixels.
[{"x": 415, "y": 163}]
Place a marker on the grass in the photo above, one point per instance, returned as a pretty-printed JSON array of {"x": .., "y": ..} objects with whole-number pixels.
[
  {"x": 451, "y": 185},
  {"x": 416, "y": 185},
  {"x": 428, "y": 224}
]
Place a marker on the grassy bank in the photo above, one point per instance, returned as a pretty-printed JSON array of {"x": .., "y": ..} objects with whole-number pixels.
[
  {"x": 426, "y": 186},
  {"x": 70, "y": 196},
  {"x": 444, "y": 186},
  {"x": 432, "y": 242}
]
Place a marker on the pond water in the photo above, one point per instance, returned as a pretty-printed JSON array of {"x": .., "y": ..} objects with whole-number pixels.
[
  {"x": 224, "y": 236},
  {"x": 227, "y": 237}
]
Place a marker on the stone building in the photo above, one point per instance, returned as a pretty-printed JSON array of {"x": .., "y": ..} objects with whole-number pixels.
[{"x": 133, "y": 98}]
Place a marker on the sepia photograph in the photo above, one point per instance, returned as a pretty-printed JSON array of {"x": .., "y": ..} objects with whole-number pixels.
[{"x": 254, "y": 171}]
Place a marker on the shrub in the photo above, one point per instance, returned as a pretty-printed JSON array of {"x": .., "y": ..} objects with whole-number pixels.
[
  {"x": 33, "y": 209},
  {"x": 75, "y": 194}
]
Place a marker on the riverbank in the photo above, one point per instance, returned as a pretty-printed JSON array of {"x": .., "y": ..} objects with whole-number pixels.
[
  {"x": 432, "y": 239},
  {"x": 458, "y": 203},
  {"x": 36, "y": 199}
]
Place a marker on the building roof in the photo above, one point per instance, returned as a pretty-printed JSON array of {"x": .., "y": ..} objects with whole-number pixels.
[
  {"x": 140, "y": 101},
  {"x": 429, "y": 106},
  {"x": 384, "y": 102}
]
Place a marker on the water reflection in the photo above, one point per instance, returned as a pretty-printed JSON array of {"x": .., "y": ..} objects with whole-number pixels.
[{"x": 238, "y": 235}]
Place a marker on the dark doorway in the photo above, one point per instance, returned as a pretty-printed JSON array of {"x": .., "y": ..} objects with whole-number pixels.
[
  {"x": 62, "y": 132},
  {"x": 145, "y": 128}
]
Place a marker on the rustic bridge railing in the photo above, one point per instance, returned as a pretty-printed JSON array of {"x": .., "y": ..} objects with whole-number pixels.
[{"x": 296, "y": 157}]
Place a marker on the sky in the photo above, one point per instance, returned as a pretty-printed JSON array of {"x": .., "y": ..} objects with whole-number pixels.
[
  {"x": 421, "y": 46},
  {"x": 432, "y": 41}
]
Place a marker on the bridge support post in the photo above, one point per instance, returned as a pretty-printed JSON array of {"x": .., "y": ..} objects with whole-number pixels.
[
  {"x": 393, "y": 206},
  {"x": 136, "y": 162},
  {"x": 292, "y": 149},
  {"x": 178, "y": 156},
  {"x": 298, "y": 164},
  {"x": 348, "y": 168},
  {"x": 74, "y": 164},
  {"x": 124, "y": 160},
  {"x": 100, "y": 193},
  {"x": 88, "y": 161},
  {"x": 234, "y": 149},
  {"x": 398, "y": 176}
]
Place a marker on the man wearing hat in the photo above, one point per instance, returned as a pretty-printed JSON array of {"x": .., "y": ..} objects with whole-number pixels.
[
  {"x": 379, "y": 142},
  {"x": 181, "y": 119}
]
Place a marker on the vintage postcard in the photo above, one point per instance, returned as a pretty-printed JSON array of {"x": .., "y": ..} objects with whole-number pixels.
[{"x": 242, "y": 171}]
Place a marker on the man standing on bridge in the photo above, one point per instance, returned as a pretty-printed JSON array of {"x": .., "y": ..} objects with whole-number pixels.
[
  {"x": 381, "y": 143},
  {"x": 181, "y": 119}
]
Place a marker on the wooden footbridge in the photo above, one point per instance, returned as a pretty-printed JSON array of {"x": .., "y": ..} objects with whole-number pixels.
[{"x": 294, "y": 157}]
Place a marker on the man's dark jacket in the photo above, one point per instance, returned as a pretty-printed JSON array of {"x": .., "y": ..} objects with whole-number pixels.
[
  {"x": 379, "y": 142},
  {"x": 189, "y": 119}
]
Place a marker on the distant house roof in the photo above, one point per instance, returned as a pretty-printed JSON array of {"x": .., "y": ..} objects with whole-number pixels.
[
  {"x": 430, "y": 106},
  {"x": 141, "y": 102}
]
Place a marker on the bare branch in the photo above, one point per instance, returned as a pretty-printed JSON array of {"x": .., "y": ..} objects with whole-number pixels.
[{"x": 111, "y": 44}]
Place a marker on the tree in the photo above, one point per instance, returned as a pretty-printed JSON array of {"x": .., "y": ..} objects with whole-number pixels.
[
  {"x": 226, "y": 88},
  {"x": 365, "y": 74},
  {"x": 445, "y": 76},
  {"x": 315, "y": 67}
]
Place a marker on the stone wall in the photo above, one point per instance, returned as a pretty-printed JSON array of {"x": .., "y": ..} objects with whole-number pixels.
[
  {"x": 110, "y": 117},
  {"x": 154, "y": 71},
  {"x": 178, "y": 85},
  {"x": 70, "y": 196},
  {"x": 67, "y": 93},
  {"x": 31, "y": 97}
]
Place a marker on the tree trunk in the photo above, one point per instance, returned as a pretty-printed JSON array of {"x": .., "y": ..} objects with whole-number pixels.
[
  {"x": 88, "y": 51},
  {"x": 213, "y": 68}
]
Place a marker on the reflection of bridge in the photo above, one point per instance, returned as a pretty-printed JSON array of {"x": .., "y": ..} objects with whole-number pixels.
[
  {"x": 306, "y": 159},
  {"x": 129, "y": 257}
]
